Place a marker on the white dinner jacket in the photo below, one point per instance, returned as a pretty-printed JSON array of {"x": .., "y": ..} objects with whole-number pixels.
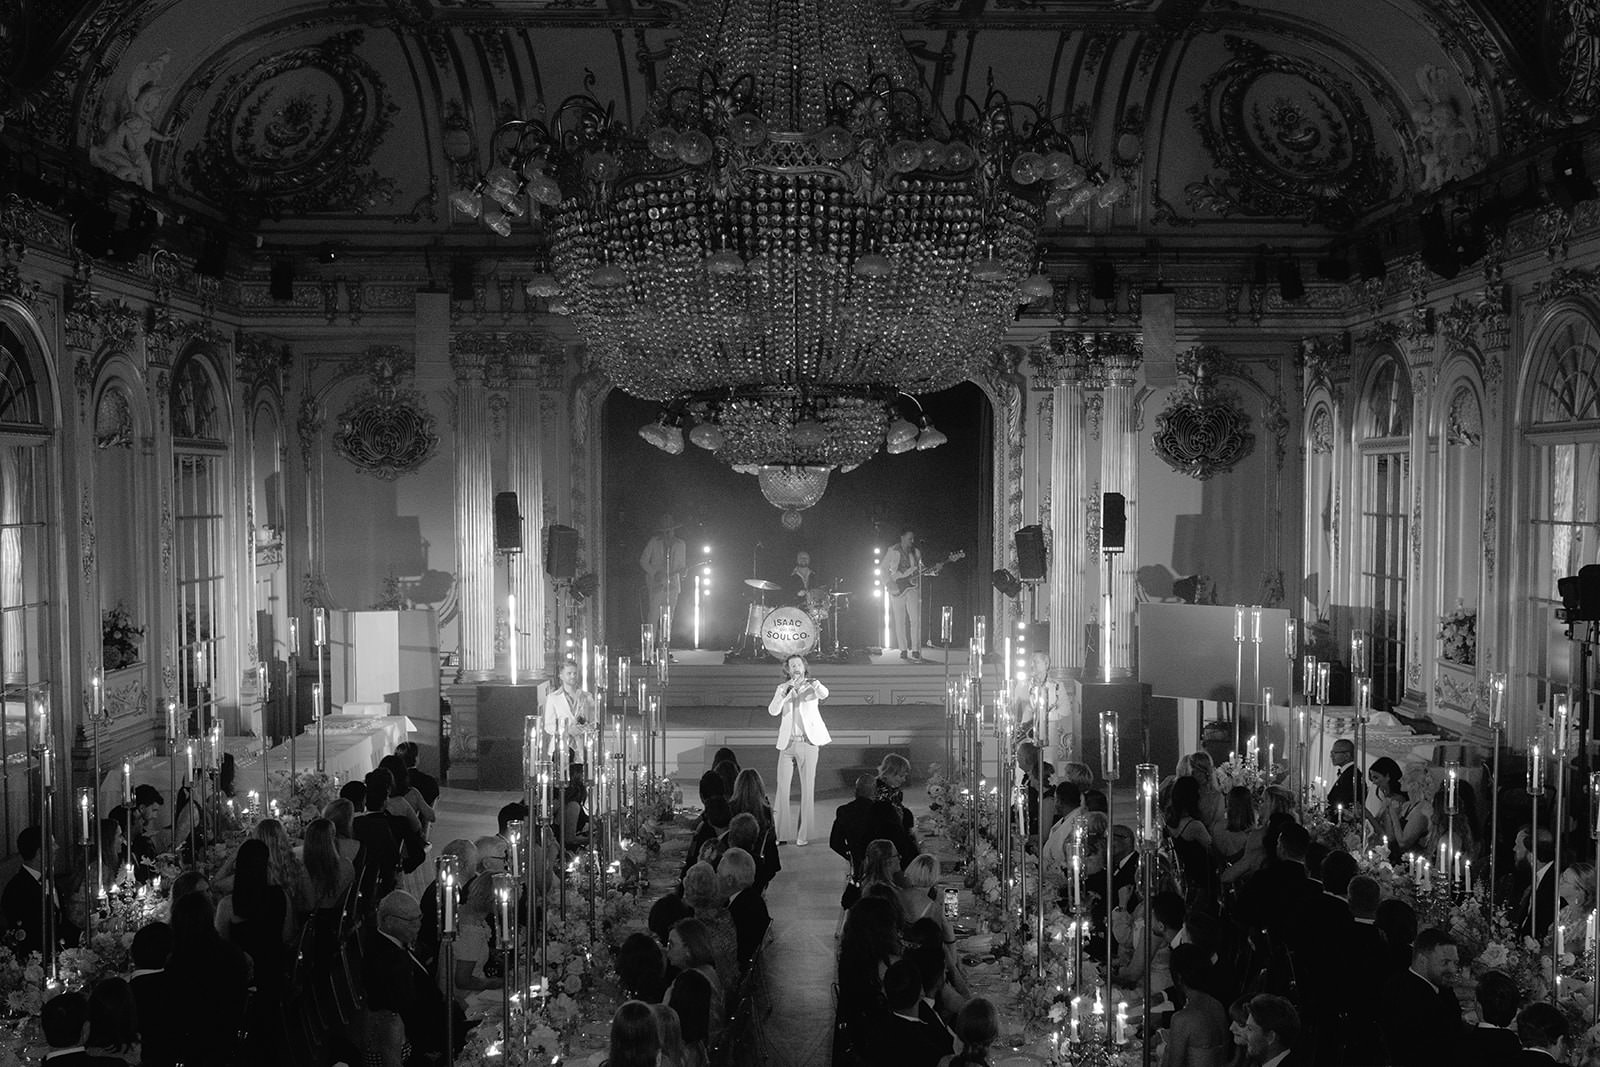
[{"x": 810, "y": 714}]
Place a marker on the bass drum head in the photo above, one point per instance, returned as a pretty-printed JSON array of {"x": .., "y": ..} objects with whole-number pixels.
[{"x": 788, "y": 631}]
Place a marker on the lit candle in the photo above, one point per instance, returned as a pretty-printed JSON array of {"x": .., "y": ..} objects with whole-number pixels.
[
  {"x": 1271, "y": 748},
  {"x": 83, "y": 817},
  {"x": 1255, "y": 624},
  {"x": 1452, "y": 789},
  {"x": 1238, "y": 623},
  {"x": 1322, "y": 683},
  {"x": 188, "y": 761},
  {"x": 97, "y": 695},
  {"x": 1466, "y": 884},
  {"x": 1120, "y": 1035},
  {"x": 1308, "y": 680},
  {"x": 1363, "y": 695},
  {"x": 1291, "y": 640},
  {"x": 1358, "y": 652},
  {"x": 624, "y": 667},
  {"x": 1077, "y": 1015},
  {"x": 1497, "y": 699},
  {"x": 294, "y": 637},
  {"x": 1338, "y": 813},
  {"x": 946, "y": 620},
  {"x": 980, "y": 632},
  {"x": 127, "y": 783},
  {"x": 316, "y": 700},
  {"x": 319, "y": 622}
]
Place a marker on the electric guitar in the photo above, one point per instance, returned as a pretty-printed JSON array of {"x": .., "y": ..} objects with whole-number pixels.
[{"x": 900, "y": 585}]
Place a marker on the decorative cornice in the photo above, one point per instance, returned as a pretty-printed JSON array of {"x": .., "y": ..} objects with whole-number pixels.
[
  {"x": 260, "y": 360},
  {"x": 1565, "y": 281}
]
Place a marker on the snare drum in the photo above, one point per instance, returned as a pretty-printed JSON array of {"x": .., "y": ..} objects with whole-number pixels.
[{"x": 816, "y": 605}]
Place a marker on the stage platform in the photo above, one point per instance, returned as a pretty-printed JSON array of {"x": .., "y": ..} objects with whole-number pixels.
[{"x": 701, "y": 678}]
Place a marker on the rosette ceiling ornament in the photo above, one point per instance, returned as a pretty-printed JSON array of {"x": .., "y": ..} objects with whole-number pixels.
[{"x": 794, "y": 236}]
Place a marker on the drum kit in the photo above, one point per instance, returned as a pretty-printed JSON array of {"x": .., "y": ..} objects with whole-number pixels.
[{"x": 790, "y": 629}]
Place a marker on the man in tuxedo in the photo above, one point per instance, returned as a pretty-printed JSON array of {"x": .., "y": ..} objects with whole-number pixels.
[
  {"x": 899, "y": 1035},
  {"x": 1328, "y": 974},
  {"x": 745, "y": 905},
  {"x": 1275, "y": 895},
  {"x": 1421, "y": 1015},
  {"x": 22, "y": 901},
  {"x": 403, "y": 1005},
  {"x": 1270, "y": 1032},
  {"x": 1124, "y": 868},
  {"x": 1492, "y": 1042},
  {"x": 65, "y": 1022},
  {"x": 426, "y": 783},
  {"x": 1349, "y": 789},
  {"x": 1543, "y": 1031},
  {"x": 380, "y": 835},
  {"x": 1536, "y": 909},
  {"x": 865, "y": 820},
  {"x": 930, "y": 964}
]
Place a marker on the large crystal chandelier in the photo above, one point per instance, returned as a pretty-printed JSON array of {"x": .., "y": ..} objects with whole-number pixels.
[{"x": 793, "y": 238}]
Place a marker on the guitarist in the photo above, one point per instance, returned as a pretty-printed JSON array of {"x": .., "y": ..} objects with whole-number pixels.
[
  {"x": 903, "y": 562},
  {"x": 664, "y": 561}
]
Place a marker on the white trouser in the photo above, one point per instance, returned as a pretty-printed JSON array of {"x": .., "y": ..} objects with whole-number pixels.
[
  {"x": 905, "y": 611},
  {"x": 803, "y": 754}
]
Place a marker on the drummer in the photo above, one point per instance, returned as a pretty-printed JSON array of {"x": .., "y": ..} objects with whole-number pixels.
[{"x": 802, "y": 580}]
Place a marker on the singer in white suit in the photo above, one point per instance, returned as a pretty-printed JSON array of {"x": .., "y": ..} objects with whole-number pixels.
[{"x": 801, "y": 732}]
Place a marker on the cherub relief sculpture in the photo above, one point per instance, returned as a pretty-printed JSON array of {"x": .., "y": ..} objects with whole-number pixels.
[
  {"x": 128, "y": 125},
  {"x": 1446, "y": 146}
]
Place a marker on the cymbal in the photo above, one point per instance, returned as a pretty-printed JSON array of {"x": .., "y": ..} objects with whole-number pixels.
[
  {"x": 762, "y": 584},
  {"x": 839, "y": 592}
]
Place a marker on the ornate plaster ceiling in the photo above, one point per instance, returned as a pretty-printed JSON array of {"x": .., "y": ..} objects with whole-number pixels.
[{"x": 298, "y": 117}]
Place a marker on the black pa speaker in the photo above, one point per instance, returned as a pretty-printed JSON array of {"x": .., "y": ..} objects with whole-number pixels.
[
  {"x": 1030, "y": 553},
  {"x": 561, "y": 552},
  {"x": 1113, "y": 522},
  {"x": 507, "y": 523}
]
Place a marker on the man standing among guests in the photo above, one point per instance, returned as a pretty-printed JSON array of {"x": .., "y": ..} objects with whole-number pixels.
[
  {"x": 1270, "y": 1032},
  {"x": 801, "y": 735},
  {"x": 426, "y": 783},
  {"x": 566, "y": 708},
  {"x": 1493, "y": 1042},
  {"x": 1421, "y": 1015},
  {"x": 863, "y": 821},
  {"x": 22, "y": 901},
  {"x": 1349, "y": 789},
  {"x": 1536, "y": 908}
]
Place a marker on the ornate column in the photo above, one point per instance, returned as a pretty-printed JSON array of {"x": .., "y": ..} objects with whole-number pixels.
[
  {"x": 1120, "y": 356},
  {"x": 1421, "y": 564},
  {"x": 469, "y": 355},
  {"x": 1069, "y": 366},
  {"x": 525, "y": 477}
]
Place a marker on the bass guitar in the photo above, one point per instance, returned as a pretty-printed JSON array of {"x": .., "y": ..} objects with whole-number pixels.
[{"x": 900, "y": 585}]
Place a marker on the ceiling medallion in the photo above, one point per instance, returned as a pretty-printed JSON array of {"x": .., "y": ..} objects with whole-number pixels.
[
  {"x": 385, "y": 430},
  {"x": 1204, "y": 432},
  {"x": 793, "y": 236}
]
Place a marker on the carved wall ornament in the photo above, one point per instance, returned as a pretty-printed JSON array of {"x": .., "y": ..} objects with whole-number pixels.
[
  {"x": 386, "y": 430},
  {"x": 86, "y": 536},
  {"x": 1553, "y": 224},
  {"x": 1565, "y": 281},
  {"x": 165, "y": 532},
  {"x": 130, "y": 120},
  {"x": 1094, "y": 407},
  {"x": 1203, "y": 432},
  {"x": 296, "y": 133},
  {"x": 113, "y": 420},
  {"x": 1326, "y": 358},
  {"x": 308, "y": 426},
  {"x": 261, "y": 360},
  {"x": 1446, "y": 145},
  {"x": 1489, "y": 533},
  {"x": 1464, "y": 419},
  {"x": 1291, "y": 138},
  {"x": 1320, "y": 432}
]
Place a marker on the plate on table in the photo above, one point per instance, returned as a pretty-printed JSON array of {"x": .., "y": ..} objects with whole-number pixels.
[
  {"x": 1018, "y": 1059},
  {"x": 963, "y": 930}
]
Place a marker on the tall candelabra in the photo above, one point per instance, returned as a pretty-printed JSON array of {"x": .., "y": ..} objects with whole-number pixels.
[
  {"x": 44, "y": 752},
  {"x": 320, "y": 639},
  {"x": 1147, "y": 779},
  {"x": 447, "y": 872},
  {"x": 1110, "y": 770},
  {"x": 1497, "y": 722}
]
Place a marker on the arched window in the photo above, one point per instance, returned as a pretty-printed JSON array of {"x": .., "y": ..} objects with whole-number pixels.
[
  {"x": 1385, "y": 449},
  {"x": 200, "y": 480},
  {"x": 1563, "y": 430},
  {"x": 27, "y": 547}
]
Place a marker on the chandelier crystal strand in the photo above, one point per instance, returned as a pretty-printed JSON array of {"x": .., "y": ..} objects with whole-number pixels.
[{"x": 795, "y": 233}]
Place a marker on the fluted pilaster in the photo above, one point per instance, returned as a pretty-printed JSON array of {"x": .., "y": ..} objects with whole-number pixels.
[
  {"x": 525, "y": 478},
  {"x": 1119, "y": 473},
  {"x": 474, "y": 524}
]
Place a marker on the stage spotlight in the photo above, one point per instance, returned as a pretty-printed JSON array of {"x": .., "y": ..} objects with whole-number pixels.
[{"x": 1006, "y": 583}]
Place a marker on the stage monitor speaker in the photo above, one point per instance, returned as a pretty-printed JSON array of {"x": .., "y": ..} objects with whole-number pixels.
[
  {"x": 1030, "y": 553},
  {"x": 561, "y": 552},
  {"x": 1113, "y": 522},
  {"x": 507, "y": 523},
  {"x": 502, "y": 718}
]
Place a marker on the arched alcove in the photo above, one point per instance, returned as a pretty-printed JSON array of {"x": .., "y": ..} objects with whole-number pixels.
[
  {"x": 1383, "y": 445},
  {"x": 202, "y": 477}
]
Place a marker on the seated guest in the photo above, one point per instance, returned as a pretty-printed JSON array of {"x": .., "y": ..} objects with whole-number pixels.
[
  {"x": 666, "y": 911},
  {"x": 702, "y": 891},
  {"x": 1190, "y": 836},
  {"x": 113, "y": 1022},
  {"x": 1493, "y": 1040},
  {"x": 1534, "y": 912},
  {"x": 256, "y": 917},
  {"x": 426, "y": 947},
  {"x": 1421, "y": 1015},
  {"x": 1165, "y": 916},
  {"x": 692, "y": 1000},
  {"x": 1059, "y": 841},
  {"x": 1543, "y": 1030},
  {"x": 1397, "y": 921},
  {"x": 713, "y": 824},
  {"x": 380, "y": 843},
  {"x": 745, "y": 903},
  {"x": 642, "y": 968},
  {"x": 355, "y": 791},
  {"x": 425, "y": 784},
  {"x": 139, "y": 823},
  {"x": 329, "y": 872},
  {"x": 689, "y": 949},
  {"x": 191, "y": 825},
  {"x": 939, "y": 1002},
  {"x": 404, "y": 798},
  {"x": 21, "y": 903},
  {"x": 475, "y": 936},
  {"x": 65, "y": 1022},
  {"x": 1277, "y": 896},
  {"x": 747, "y": 832},
  {"x": 403, "y": 1005},
  {"x": 977, "y": 1027},
  {"x": 1271, "y": 1031},
  {"x": 920, "y": 898},
  {"x": 1228, "y": 837},
  {"x": 148, "y": 983},
  {"x": 209, "y": 982},
  {"x": 728, "y": 771},
  {"x": 190, "y": 881},
  {"x": 673, "y": 1053},
  {"x": 899, "y": 1035},
  {"x": 635, "y": 1038},
  {"x": 1198, "y": 1035},
  {"x": 341, "y": 812},
  {"x": 869, "y": 942}
]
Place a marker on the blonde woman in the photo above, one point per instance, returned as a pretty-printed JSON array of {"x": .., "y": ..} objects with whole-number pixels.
[{"x": 920, "y": 899}]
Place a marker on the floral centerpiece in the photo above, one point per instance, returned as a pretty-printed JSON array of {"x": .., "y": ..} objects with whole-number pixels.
[
  {"x": 301, "y": 797},
  {"x": 1458, "y": 636},
  {"x": 954, "y": 812}
]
